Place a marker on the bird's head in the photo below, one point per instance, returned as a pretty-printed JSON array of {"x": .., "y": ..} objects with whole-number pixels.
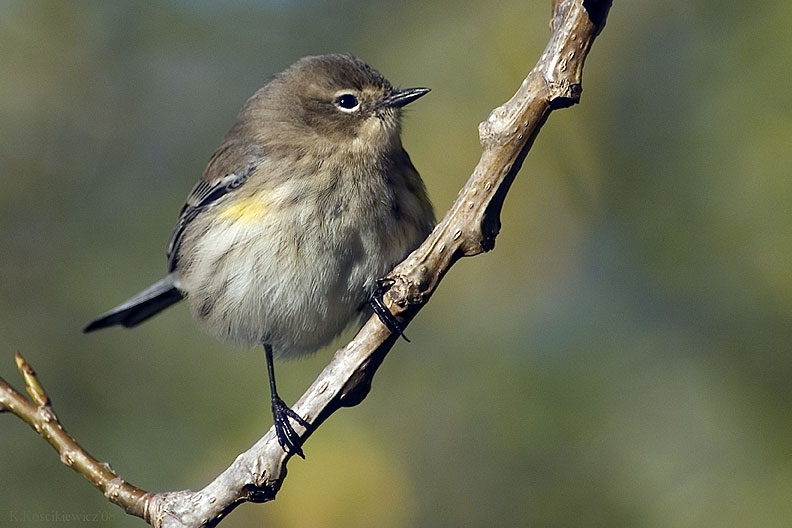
[{"x": 333, "y": 99}]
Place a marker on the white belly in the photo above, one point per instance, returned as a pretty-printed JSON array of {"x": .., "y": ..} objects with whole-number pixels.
[{"x": 296, "y": 289}]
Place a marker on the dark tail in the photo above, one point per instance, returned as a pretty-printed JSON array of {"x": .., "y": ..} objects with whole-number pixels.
[{"x": 145, "y": 304}]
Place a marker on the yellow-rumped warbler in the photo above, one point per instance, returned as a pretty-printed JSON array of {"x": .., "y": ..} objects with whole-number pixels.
[{"x": 308, "y": 201}]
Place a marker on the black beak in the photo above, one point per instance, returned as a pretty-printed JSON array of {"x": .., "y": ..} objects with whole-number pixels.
[{"x": 399, "y": 98}]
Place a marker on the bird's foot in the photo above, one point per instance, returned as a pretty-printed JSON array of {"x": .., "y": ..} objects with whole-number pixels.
[
  {"x": 379, "y": 308},
  {"x": 288, "y": 438}
]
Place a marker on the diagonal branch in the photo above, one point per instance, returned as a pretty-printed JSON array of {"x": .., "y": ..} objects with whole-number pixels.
[{"x": 469, "y": 228}]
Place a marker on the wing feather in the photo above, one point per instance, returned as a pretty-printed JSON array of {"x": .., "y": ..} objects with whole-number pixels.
[{"x": 208, "y": 191}]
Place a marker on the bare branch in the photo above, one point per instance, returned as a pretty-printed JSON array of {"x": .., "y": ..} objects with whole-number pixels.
[
  {"x": 469, "y": 228},
  {"x": 473, "y": 222},
  {"x": 38, "y": 414}
]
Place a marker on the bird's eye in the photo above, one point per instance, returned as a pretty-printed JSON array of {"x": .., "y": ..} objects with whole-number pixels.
[{"x": 347, "y": 102}]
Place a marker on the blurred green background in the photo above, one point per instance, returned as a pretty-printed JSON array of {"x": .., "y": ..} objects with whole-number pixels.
[{"x": 621, "y": 359}]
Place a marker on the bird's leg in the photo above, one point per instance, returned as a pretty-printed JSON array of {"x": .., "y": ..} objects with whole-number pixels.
[
  {"x": 288, "y": 438},
  {"x": 385, "y": 316}
]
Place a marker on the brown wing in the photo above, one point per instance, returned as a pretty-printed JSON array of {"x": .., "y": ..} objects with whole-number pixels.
[{"x": 223, "y": 175}]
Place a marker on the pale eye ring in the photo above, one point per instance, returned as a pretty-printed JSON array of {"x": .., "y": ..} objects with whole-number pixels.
[{"x": 347, "y": 102}]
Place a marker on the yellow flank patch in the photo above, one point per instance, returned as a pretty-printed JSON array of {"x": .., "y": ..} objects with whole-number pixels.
[{"x": 252, "y": 209}]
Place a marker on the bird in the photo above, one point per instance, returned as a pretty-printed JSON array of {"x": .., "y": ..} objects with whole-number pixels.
[{"x": 307, "y": 203}]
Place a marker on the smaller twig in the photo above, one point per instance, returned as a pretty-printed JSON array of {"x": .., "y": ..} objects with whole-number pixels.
[
  {"x": 38, "y": 414},
  {"x": 32, "y": 384}
]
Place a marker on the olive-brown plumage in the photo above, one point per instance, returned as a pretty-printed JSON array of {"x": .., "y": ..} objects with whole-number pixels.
[{"x": 309, "y": 199}]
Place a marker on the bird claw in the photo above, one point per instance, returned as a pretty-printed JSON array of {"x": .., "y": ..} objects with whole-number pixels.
[
  {"x": 288, "y": 438},
  {"x": 379, "y": 308}
]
